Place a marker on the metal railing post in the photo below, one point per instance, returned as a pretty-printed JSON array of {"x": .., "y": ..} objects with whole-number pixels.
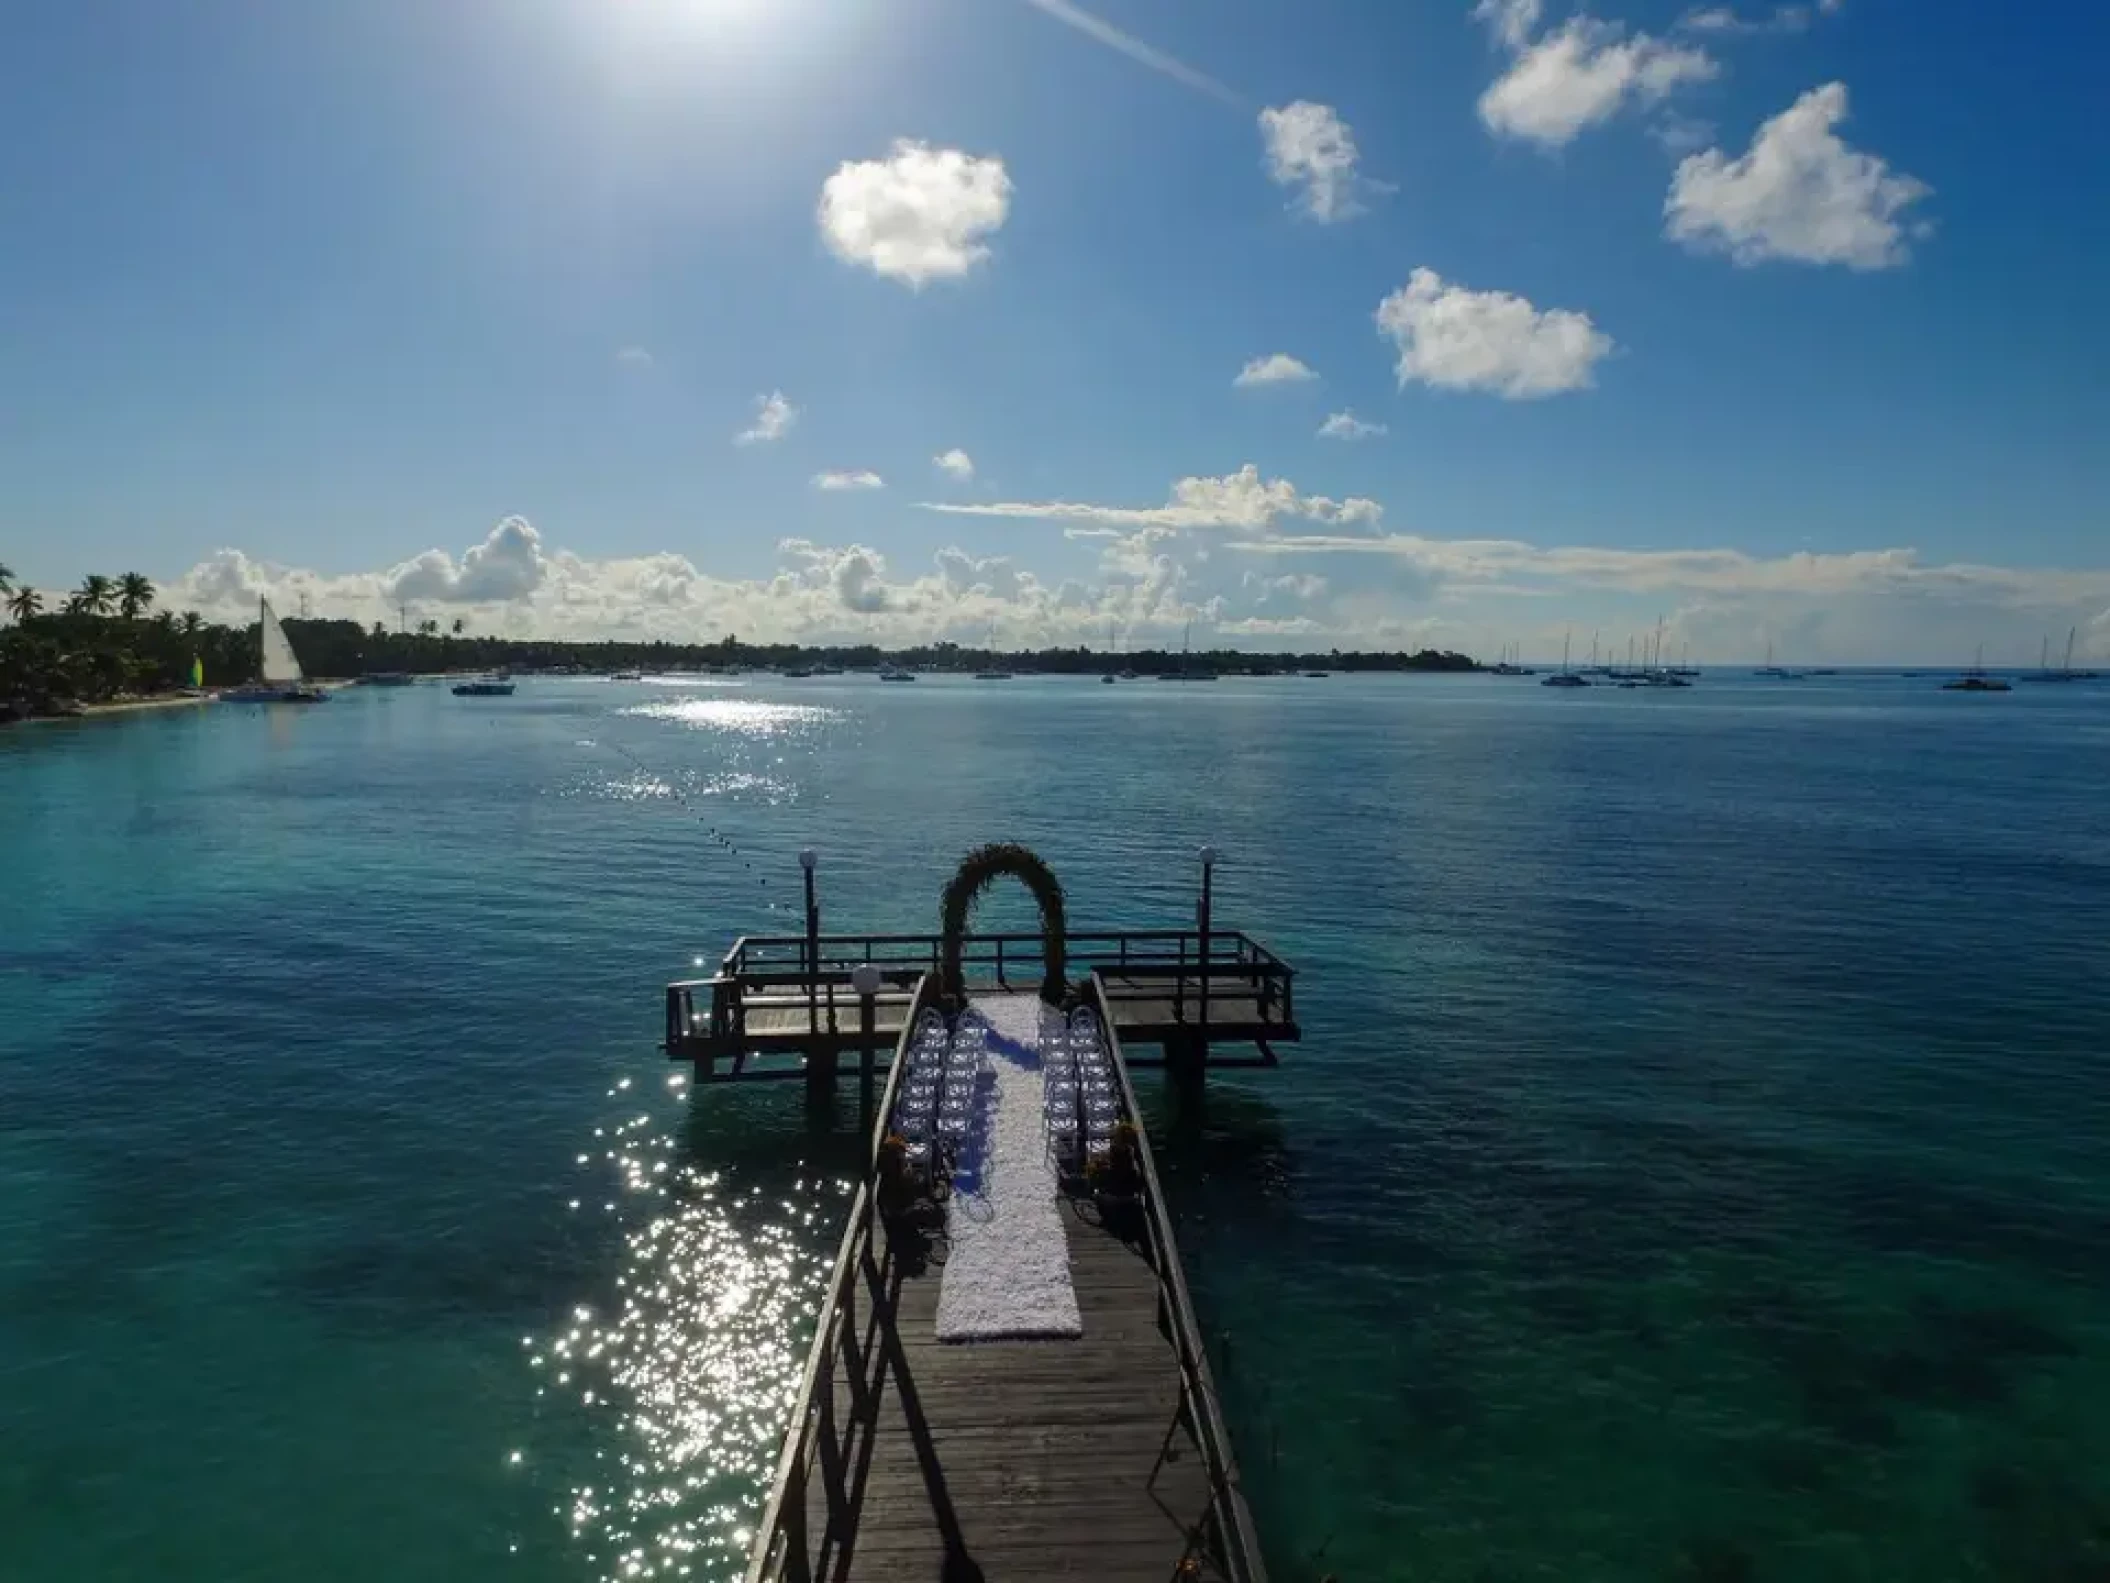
[
  {"x": 1208, "y": 857},
  {"x": 808, "y": 859}
]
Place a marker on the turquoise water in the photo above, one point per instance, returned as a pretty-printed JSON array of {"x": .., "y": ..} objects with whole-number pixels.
[{"x": 1698, "y": 1163}]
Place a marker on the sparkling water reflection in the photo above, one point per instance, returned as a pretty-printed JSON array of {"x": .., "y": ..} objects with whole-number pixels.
[
  {"x": 693, "y": 1369},
  {"x": 748, "y": 717}
]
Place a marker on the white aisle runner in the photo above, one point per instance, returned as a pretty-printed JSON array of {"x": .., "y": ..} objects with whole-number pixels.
[{"x": 1008, "y": 1272}]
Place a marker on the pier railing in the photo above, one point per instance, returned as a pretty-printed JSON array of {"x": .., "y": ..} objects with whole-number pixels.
[
  {"x": 817, "y": 1443},
  {"x": 1187, "y": 968},
  {"x": 1238, "y": 1548}
]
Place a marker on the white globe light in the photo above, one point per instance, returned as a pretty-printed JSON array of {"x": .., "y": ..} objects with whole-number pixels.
[
  {"x": 807, "y": 858},
  {"x": 1208, "y": 856},
  {"x": 866, "y": 979}
]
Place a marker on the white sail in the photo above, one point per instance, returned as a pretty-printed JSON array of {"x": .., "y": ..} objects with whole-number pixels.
[{"x": 281, "y": 667}]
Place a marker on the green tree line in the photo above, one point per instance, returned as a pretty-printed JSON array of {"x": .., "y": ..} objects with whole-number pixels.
[{"x": 107, "y": 639}]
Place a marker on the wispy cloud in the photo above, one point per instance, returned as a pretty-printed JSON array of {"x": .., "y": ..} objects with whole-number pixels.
[
  {"x": 774, "y": 416},
  {"x": 1241, "y": 500},
  {"x": 848, "y": 480},
  {"x": 1347, "y": 426},
  {"x": 1792, "y": 18},
  {"x": 1310, "y": 149},
  {"x": 1135, "y": 49},
  {"x": 1515, "y": 565}
]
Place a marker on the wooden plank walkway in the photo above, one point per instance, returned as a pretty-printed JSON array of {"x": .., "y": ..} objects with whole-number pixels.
[{"x": 1032, "y": 1460}]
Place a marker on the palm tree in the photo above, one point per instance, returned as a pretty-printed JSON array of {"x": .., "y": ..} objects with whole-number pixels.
[
  {"x": 94, "y": 597},
  {"x": 134, "y": 596},
  {"x": 190, "y": 623},
  {"x": 7, "y": 579},
  {"x": 24, "y": 603},
  {"x": 459, "y": 624}
]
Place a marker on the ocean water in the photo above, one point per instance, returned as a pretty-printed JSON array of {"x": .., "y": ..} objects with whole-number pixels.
[{"x": 1697, "y": 1165}]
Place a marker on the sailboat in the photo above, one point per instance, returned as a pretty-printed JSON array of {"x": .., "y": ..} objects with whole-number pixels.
[
  {"x": 280, "y": 680},
  {"x": 1183, "y": 674},
  {"x": 2065, "y": 672},
  {"x": 1564, "y": 677},
  {"x": 1778, "y": 672},
  {"x": 1975, "y": 680},
  {"x": 1511, "y": 666},
  {"x": 995, "y": 671}
]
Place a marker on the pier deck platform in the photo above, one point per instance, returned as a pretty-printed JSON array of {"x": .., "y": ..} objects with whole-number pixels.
[{"x": 1183, "y": 993}]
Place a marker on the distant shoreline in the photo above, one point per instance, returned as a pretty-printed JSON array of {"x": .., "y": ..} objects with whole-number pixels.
[
  {"x": 117, "y": 706},
  {"x": 137, "y": 706}
]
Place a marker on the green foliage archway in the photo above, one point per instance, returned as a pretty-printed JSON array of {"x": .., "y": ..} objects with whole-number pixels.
[{"x": 977, "y": 871}]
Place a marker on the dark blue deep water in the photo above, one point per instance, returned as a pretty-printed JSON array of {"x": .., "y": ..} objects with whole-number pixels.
[{"x": 1697, "y": 1167}]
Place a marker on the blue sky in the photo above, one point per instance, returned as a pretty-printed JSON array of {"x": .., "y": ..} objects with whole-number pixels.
[{"x": 1776, "y": 322}]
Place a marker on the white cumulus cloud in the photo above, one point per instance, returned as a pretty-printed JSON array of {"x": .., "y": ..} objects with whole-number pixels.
[
  {"x": 919, "y": 215},
  {"x": 1278, "y": 369},
  {"x": 1238, "y": 555},
  {"x": 859, "y": 479},
  {"x": 1310, "y": 148},
  {"x": 1582, "y": 73},
  {"x": 1456, "y": 339},
  {"x": 856, "y": 575},
  {"x": 774, "y": 416},
  {"x": 993, "y": 575},
  {"x": 1799, "y": 194},
  {"x": 954, "y": 463},
  {"x": 507, "y": 565},
  {"x": 1347, "y": 426}
]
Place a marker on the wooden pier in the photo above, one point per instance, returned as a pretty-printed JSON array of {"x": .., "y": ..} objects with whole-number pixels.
[{"x": 1093, "y": 1458}]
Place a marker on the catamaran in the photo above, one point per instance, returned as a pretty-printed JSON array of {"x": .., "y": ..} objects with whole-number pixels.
[{"x": 280, "y": 680}]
